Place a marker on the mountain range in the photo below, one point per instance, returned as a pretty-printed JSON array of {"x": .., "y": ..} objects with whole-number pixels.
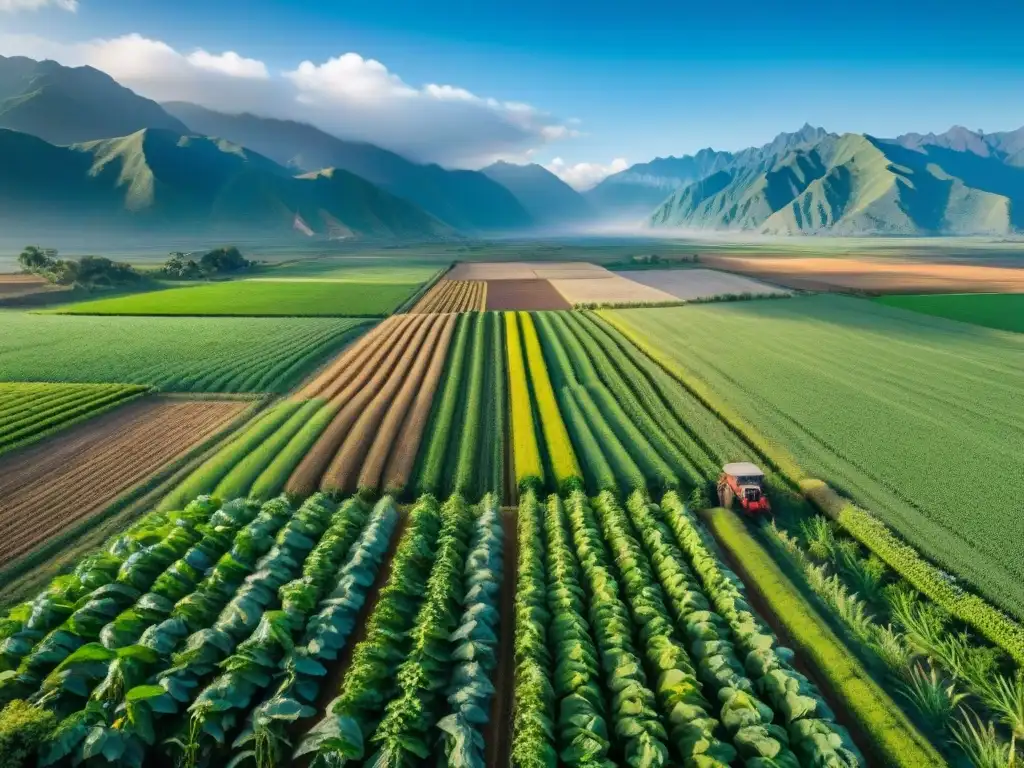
[
  {"x": 549, "y": 200},
  {"x": 77, "y": 147},
  {"x": 64, "y": 105},
  {"x": 162, "y": 181},
  {"x": 638, "y": 190},
  {"x": 466, "y": 200},
  {"x": 957, "y": 183}
]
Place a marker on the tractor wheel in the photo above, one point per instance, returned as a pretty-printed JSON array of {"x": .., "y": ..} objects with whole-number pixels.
[{"x": 725, "y": 495}]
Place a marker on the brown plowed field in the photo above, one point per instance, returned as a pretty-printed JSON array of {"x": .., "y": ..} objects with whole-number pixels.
[
  {"x": 15, "y": 286},
  {"x": 345, "y": 467},
  {"x": 54, "y": 485},
  {"x": 382, "y": 390},
  {"x": 399, "y": 468},
  {"x": 874, "y": 275},
  {"x": 453, "y": 296},
  {"x": 524, "y": 294}
]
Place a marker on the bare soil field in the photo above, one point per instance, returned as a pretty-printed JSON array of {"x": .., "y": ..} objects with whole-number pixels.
[
  {"x": 524, "y": 294},
  {"x": 16, "y": 286},
  {"x": 875, "y": 276},
  {"x": 453, "y": 296},
  {"x": 613, "y": 289},
  {"x": 61, "y": 482},
  {"x": 693, "y": 284},
  {"x": 526, "y": 270}
]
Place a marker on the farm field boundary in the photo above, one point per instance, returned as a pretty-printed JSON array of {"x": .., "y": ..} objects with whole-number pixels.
[
  {"x": 255, "y": 298},
  {"x": 31, "y": 412},
  {"x": 990, "y": 621},
  {"x": 873, "y": 276},
  {"x": 425, "y": 288},
  {"x": 62, "y": 551},
  {"x": 84, "y": 472},
  {"x": 1002, "y": 311},
  {"x": 883, "y": 727},
  {"x": 171, "y": 353}
]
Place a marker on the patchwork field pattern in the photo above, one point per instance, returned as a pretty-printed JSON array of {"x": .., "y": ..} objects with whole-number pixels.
[
  {"x": 691, "y": 284},
  {"x": 295, "y": 616},
  {"x": 173, "y": 354},
  {"x": 851, "y": 391},
  {"x": 29, "y": 412},
  {"x": 257, "y": 298},
  {"x": 1004, "y": 311},
  {"x": 51, "y": 487}
]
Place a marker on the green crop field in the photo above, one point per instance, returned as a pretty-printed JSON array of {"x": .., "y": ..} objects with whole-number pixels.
[
  {"x": 172, "y": 353},
  {"x": 29, "y": 412},
  {"x": 1004, "y": 311},
  {"x": 257, "y": 298},
  {"x": 355, "y": 269},
  {"x": 919, "y": 420}
]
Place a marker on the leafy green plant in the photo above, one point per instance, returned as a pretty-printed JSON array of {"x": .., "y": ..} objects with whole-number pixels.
[
  {"x": 216, "y": 710},
  {"x": 936, "y": 699},
  {"x": 634, "y": 710},
  {"x": 476, "y": 638},
  {"x": 747, "y": 719},
  {"x": 533, "y": 713},
  {"x": 370, "y": 683},
  {"x": 581, "y": 729},
  {"x": 403, "y": 736}
]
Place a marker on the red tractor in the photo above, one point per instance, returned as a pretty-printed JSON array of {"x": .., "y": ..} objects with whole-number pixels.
[{"x": 743, "y": 481}]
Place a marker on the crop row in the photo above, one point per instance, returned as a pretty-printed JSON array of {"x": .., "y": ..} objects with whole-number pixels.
[
  {"x": 28, "y": 412},
  {"x": 602, "y": 415},
  {"x": 454, "y": 296},
  {"x": 624, "y": 657},
  {"x": 893, "y": 408},
  {"x": 423, "y": 670},
  {"x": 358, "y": 426},
  {"x": 194, "y": 629},
  {"x": 174, "y": 354},
  {"x": 464, "y": 452},
  {"x": 893, "y": 737}
]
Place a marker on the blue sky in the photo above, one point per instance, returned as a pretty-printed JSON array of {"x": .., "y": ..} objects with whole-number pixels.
[{"x": 643, "y": 78}]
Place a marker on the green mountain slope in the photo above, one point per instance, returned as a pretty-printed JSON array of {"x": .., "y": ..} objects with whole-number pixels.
[
  {"x": 638, "y": 190},
  {"x": 161, "y": 181},
  {"x": 857, "y": 185},
  {"x": 64, "y": 105},
  {"x": 548, "y": 199},
  {"x": 466, "y": 200}
]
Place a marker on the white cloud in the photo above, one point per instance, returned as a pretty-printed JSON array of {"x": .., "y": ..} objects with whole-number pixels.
[
  {"x": 349, "y": 95},
  {"x": 583, "y": 176},
  {"x": 229, "y": 63},
  {"x": 13, "y": 6}
]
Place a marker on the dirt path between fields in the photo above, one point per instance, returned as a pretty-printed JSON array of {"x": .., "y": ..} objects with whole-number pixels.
[
  {"x": 331, "y": 685},
  {"x": 498, "y": 731}
]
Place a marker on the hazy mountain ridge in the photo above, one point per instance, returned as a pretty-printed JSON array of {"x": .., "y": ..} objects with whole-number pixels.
[
  {"x": 466, "y": 200},
  {"x": 548, "y": 199},
  {"x": 64, "y": 105},
  {"x": 639, "y": 189},
  {"x": 957, "y": 183},
  {"x": 166, "y": 181}
]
